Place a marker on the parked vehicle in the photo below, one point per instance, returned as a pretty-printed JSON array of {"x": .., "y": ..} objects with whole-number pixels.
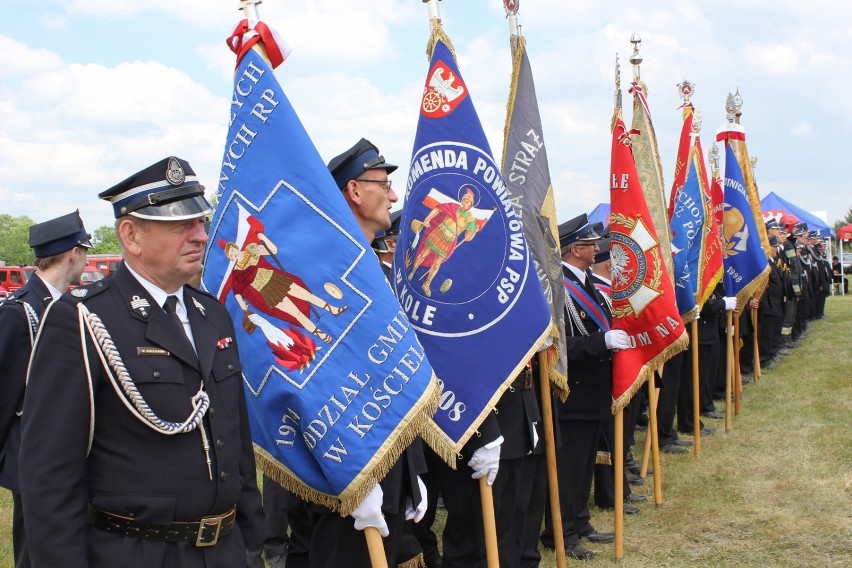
[
  {"x": 90, "y": 274},
  {"x": 106, "y": 263},
  {"x": 13, "y": 277}
]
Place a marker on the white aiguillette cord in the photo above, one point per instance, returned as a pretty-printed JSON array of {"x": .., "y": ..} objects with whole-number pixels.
[{"x": 126, "y": 389}]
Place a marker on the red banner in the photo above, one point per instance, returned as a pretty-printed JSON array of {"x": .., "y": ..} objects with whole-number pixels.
[{"x": 643, "y": 299}]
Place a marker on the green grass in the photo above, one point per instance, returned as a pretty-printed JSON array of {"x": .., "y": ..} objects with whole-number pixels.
[{"x": 775, "y": 491}]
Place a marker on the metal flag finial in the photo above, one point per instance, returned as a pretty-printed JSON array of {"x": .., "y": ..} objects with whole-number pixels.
[
  {"x": 511, "y": 7},
  {"x": 617, "y": 83},
  {"x": 714, "y": 156},
  {"x": 733, "y": 105},
  {"x": 249, "y": 8},
  {"x": 686, "y": 89},
  {"x": 636, "y": 57}
]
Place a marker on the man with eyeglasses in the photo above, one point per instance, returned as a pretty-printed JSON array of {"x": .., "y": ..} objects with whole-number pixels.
[{"x": 59, "y": 246}]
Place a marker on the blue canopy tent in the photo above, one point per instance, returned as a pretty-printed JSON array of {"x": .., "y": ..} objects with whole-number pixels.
[
  {"x": 600, "y": 214},
  {"x": 774, "y": 206}
]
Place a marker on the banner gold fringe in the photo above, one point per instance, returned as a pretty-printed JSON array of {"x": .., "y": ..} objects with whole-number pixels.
[
  {"x": 439, "y": 34},
  {"x": 416, "y": 562},
  {"x": 437, "y": 435},
  {"x": 657, "y": 362},
  {"x": 603, "y": 458},
  {"x": 413, "y": 425}
]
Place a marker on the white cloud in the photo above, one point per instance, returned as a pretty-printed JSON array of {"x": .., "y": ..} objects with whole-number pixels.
[{"x": 802, "y": 129}]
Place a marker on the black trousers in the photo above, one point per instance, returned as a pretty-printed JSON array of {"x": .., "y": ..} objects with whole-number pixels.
[
  {"x": 19, "y": 541},
  {"x": 575, "y": 462},
  {"x": 667, "y": 403},
  {"x": 422, "y": 531},
  {"x": 336, "y": 543},
  {"x": 534, "y": 494}
]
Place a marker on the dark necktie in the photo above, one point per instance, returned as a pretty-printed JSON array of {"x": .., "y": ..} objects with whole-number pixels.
[{"x": 170, "y": 307}]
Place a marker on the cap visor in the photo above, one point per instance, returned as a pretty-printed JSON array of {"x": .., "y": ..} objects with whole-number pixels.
[{"x": 180, "y": 210}]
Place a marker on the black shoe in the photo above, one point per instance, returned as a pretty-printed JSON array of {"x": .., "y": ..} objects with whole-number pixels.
[
  {"x": 599, "y": 537},
  {"x": 708, "y": 431},
  {"x": 635, "y": 498},
  {"x": 683, "y": 443},
  {"x": 745, "y": 379},
  {"x": 673, "y": 449},
  {"x": 577, "y": 552},
  {"x": 715, "y": 415},
  {"x": 631, "y": 510},
  {"x": 633, "y": 479},
  {"x": 278, "y": 561}
]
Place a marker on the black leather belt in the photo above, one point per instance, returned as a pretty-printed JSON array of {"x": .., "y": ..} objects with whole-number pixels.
[
  {"x": 203, "y": 532},
  {"x": 524, "y": 379}
]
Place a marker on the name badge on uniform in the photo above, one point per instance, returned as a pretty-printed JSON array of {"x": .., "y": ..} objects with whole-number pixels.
[{"x": 152, "y": 351}]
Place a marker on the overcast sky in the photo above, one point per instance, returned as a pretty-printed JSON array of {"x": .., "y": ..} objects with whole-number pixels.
[{"x": 92, "y": 91}]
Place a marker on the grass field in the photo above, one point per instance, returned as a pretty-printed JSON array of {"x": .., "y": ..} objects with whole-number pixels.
[{"x": 775, "y": 491}]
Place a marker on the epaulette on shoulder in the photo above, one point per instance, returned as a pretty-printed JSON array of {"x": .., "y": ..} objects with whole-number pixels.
[
  {"x": 9, "y": 300},
  {"x": 83, "y": 293}
]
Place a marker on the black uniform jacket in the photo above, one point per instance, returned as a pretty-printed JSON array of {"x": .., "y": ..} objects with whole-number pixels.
[
  {"x": 15, "y": 351},
  {"x": 589, "y": 365},
  {"x": 130, "y": 469}
]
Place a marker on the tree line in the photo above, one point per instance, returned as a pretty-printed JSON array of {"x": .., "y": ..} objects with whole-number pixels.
[{"x": 15, "y": 236}]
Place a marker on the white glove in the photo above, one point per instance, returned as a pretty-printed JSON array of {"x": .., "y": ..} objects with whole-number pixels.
[
  {"x": 730, "y": 303},
  {"x": 369, "y": 512},
  {"x": 486, "y": 461},
  {"x": 617, "y": 339},
  {"x": 696, "y": 312},
  {"x": 416, "y": 514}
]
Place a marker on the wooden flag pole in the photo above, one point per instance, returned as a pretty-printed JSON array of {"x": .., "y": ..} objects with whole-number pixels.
[
  {"x": 489, "y": 526},
  {"x": 756, "y": 344},
  {"x": 550, "y": 454},
  {"x": 729, "y": 367},
  {"x": 738, "y": 384},
  {"x": 375, "y": 548},
  {"x": 653, "y": 395},
  {"x": 618, "y": 463},
  {"x": 696, "y": 394}
]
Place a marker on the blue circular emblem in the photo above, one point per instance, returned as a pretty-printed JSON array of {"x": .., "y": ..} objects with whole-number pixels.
[{"x": 461, "y": 259}]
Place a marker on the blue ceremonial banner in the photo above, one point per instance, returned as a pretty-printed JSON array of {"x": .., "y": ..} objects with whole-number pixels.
[
  {"x": 743, "y": 256},
  {"x": 337, "y": 383},
  {"x": 462, "y": 269},
  {"x": 688, "y": 214}
]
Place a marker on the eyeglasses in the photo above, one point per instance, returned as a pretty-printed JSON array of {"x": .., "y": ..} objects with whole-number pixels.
[{"x": 386, "y": 184}]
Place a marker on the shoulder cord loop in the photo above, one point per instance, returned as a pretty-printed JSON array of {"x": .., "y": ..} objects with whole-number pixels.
[{"x": 127, "y": 391}]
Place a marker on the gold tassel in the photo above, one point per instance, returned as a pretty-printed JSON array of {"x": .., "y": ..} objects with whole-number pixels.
[
  {"x": 603, "y": 458},
  {"x": 416, "y": 562}
]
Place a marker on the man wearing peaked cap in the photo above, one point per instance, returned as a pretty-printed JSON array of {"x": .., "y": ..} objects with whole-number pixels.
[
  {"x": 582, "y": 417},
  {"x": 361, "y": 173},
  {"x": 59, "y": 246},
  {"x": 576, "y": 229},
  {"x": 141, "y": 375}
]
